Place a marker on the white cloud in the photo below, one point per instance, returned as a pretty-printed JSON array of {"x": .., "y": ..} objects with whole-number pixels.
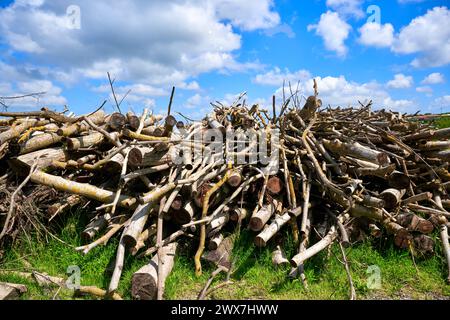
[
  {"x": 429, "y": 36},
  {"x": 442, "y": 102},
  {"x": 347, "y": 7},
  {"x": 400, "y": 81},
  {"x": 276, "y": 77},
  {"x": 410, "y": 1},
  {"x": 247, "y": 15},
  {"x": 51, "y": 98},
  {"x": 424, "y": 89},
  {"x": 434, "y": 78},
  {"x": 282, "y": 28},
  {"x": 338, "y": 91},
  {"x": 197, "y": 101},
  {"x": 377, "y": 35},
  {"x": 151, "y": 42},
  {"x": 24, "y": 43},
  {"x": 334, "y": 32}
]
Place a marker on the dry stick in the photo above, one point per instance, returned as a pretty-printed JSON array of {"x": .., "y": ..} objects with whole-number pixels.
[
  {"x": 165, "y": 242},
  {"x": 170, "y": 101},
  {"x": 13, "y": 199},
  {"x": 102, "y": 240},
  {"x": 349, "y": 276},
  {"x": 201, "y": 245},
  {"x": 446, "y": 247},
  {"x": 119, "y": 189},
  {"x": 316, "y": 248},
  {"x": 112, "y": 89},
  {"x": 120, "y": 257},
  {"x": 202, "y": 293},
  {"x": 159, "y": 232}
]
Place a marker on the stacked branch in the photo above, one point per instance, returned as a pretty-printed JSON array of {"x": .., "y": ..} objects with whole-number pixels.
[{"x": 329, "y": 175}]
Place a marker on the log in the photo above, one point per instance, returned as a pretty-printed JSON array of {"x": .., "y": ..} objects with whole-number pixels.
[
  {"x": 445, "y": 247},
  {"x": 279, "y": 258},
  {"x": 392, "y": 197},
  {"x": 433, "y": 145},
  {"x": 116, "y": 121},
  {"x": 310, "y": 108},
  {"x": 148, "y": 157},
  {"x": 11, "y": 291},
  {"x": 424, "y": 244},
  {"x": 402, "y": 238},
  {"x": 87, "y": 141},
  {"x": 413, "y": 222},
  {"x": 144, "y": 283},
  {"x": 418, "y": 197},
  {"x": 23, "y": 163},
  {"x": 262, "y": 238},
  {"x": 136, "y": 226},
  {"x": 356, "y": 150},
  {"x": 133, "y": 120},
  {"x": 97, "y": 118},
  {"x": 63, "y": 206},
  {"x": 215, "y": 241},
  {"x": 235, "y": 178},
  {"x": 185, "y": 214},
  {"x": 260, "y": 217},
  {"x": 82, "y": 189},
  {"x": 238, "y": 214},
  {"x": 16, "y": 130},
  {"x": 375, "y": 202},
  {"x": 435, "y": 134},
  {"x": 219, "y": 220},
  {"x": 375, "y": 231},
  {"x": 40, "y": 141},
  {"x": 94, "y": 227},
  {"x": 316, "y": 248},
  {"x": 274, "y": 185}
]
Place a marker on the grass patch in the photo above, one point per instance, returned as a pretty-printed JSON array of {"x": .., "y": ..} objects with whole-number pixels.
[{"x": 254, "y": 276}]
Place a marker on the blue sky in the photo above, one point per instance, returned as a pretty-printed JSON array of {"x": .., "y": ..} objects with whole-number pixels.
[{"x": 215, "y": 49}]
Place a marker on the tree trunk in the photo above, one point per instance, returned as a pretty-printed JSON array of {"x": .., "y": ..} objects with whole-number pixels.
[
  {"x": 11, "y": 291},
  {"x": 260, "y": 218},
  {"x": 83, "y": 189},
  {"x": 144, "y": 283}
]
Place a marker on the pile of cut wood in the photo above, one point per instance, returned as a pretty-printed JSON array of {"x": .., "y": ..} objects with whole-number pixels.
[{"x": 331, "y": 176}]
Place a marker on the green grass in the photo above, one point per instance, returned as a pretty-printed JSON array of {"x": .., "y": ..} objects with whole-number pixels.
[
  {"x": 443, "y": 122},
  {"x": 254, "y": 276}
]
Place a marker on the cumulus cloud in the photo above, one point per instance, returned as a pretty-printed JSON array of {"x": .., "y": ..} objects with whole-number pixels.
[
  {"x": 434, "y": 78},
  {"x": 152, "y": 42},
  {"x": 400, "y": 81},
  {"x": 377, "y": 35},
  {"x": 247, "y": 15},
  {"x": 442, "y": 103},
  {"x": 428, "y": 36},
  {"x": 51, "y": 94},
  {"x": 334, "y": 31},
  {"x": 276, "y": 76},
  {"x": 347, "y": 7},
  {"x": 425, "y": 89},
  {"x": 338, "y": 91}
]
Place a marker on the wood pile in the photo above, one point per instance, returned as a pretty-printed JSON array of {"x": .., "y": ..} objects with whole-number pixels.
[{"x": 342, "y": 173}]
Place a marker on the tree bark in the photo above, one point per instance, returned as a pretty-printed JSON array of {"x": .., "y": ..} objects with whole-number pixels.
[{"x": 144, "y": 283}]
